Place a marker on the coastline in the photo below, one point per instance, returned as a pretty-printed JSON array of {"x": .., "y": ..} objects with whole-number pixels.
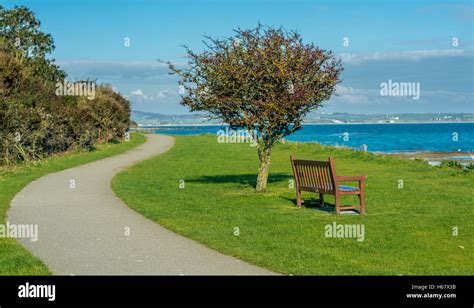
[
  {"x": 435, "y": 157},
  {"x": 431, "y": 155},
  {"x": 353, "y": 123}
]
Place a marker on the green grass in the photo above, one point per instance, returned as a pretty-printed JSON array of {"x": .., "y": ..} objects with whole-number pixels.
[
  {"x": 408, "y": 231},
  {"x": 14, "y": 259}
]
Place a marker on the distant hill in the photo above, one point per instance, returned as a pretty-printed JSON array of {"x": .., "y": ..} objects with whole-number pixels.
[
  {"x": 339, "y": 117},
  {"x": 150, "y": 118}
]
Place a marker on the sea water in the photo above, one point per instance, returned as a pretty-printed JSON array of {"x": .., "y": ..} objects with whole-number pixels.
[{"x": 385, "y": 138}]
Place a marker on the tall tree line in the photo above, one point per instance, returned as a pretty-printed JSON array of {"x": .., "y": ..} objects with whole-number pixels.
[{"x": 35, "y": 121}]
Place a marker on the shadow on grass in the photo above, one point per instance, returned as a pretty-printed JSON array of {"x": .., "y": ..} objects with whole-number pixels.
[
  {"x": 314, "y": 204},
  {"x": 244, "y": 179}
]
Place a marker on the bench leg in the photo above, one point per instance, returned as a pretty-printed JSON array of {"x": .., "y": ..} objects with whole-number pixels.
[
  {"x": 298, "y": 198},
  {"x": 338, "y": 210},
  {"x": 321, "y": 199},
  {"x": 361, "y": 201}
]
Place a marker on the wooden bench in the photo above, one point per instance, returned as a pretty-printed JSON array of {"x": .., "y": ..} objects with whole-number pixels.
[{"x": 320, "y": 177}]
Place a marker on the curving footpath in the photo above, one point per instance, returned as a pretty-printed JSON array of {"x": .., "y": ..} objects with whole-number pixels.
[{"x": 84, "y": 230}]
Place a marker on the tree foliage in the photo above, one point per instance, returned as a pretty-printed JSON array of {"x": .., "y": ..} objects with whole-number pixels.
[
  {"x": 264, "y": 79},
  {"x": 34, "y": 121}
]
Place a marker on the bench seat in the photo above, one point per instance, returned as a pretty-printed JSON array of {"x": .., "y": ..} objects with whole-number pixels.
[
  {"x": 348, "y": 188},
  {"x": 320, "y": 177}
]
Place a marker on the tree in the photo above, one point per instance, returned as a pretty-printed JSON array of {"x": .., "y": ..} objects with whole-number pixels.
[
  {"x": 109, "y": 112},
  {"x": 264, "y": 79},
  {"x": 20, "y": 33},
  {"x": 20, "y": 27},
  {"x": 35, "y": 121}
]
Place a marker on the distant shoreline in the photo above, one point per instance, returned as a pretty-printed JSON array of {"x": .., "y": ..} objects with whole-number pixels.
[
  {"x": 431, "y": 156},
  {"x": 354, "y": 123},
  {"x": 420, "y": 150}
]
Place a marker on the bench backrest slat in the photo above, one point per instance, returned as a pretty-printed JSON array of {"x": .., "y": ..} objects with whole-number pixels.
[{"x": 315, "y": 174}]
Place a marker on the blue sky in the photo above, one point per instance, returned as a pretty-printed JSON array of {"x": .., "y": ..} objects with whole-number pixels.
[{"x": 404, "y": 41}]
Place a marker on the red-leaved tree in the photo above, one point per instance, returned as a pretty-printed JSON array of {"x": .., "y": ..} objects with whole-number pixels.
[{"x": 264, "y": 79}]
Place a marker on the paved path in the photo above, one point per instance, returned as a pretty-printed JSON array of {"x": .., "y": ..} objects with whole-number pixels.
[{"x": 81, "y": 231}]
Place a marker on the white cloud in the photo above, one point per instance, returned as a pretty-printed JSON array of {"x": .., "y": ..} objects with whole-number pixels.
[
  {"x": 138, "y": 93},
  {"x": 121, "y": 70},
  {"x": 350, "y": 95},
  {"x": 403, "y": 55},
  {"x": 163, "y": 93}
]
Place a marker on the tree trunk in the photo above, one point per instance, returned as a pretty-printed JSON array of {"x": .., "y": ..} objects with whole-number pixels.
[
  {"x": 99, "y": 135},
  {"x": 262, "y": 177}
]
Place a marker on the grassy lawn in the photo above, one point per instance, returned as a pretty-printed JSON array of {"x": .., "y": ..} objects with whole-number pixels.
[
  {"x": 408, "y": 231},
  {"x": 14, "y": 259}
]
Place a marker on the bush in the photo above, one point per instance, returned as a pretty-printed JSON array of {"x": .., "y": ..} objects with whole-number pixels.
[
  {"x": 457, "y": 166},
  {"x": 34, "y": 121}
]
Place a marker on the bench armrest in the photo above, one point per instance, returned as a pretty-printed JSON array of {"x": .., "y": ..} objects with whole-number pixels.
[{"x": 359, "y": 178}]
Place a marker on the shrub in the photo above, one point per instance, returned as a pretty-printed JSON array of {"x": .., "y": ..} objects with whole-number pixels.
[{"x": 34, "y": 121}]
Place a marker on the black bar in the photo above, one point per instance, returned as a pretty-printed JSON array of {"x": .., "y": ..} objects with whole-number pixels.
[{"x": 364, "y": 291}]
